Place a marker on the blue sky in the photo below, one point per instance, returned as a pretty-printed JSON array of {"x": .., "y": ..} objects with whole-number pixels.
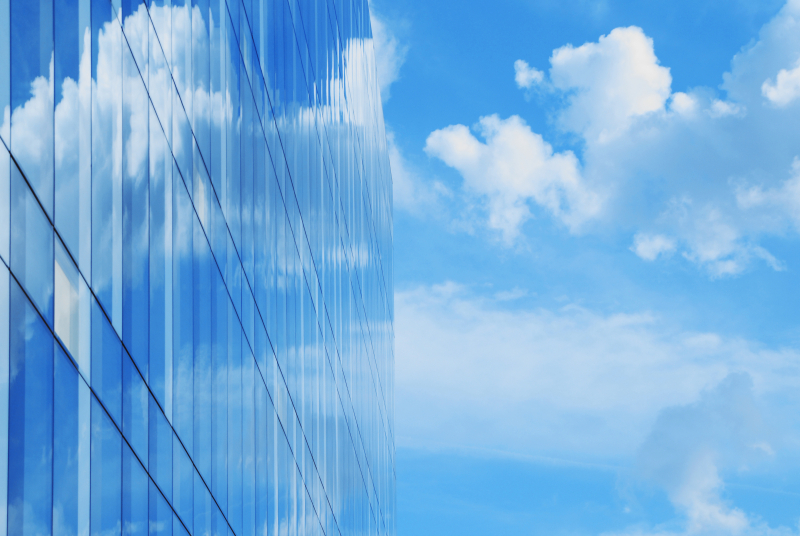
[{"x": 597, "y": 206}]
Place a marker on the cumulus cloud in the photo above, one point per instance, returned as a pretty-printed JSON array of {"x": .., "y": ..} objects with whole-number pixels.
[
  {"x": 512, "y": 168},
  {"x": 569, "y": 381},
  {"x": 527, "y": 76},
  {"x": 611, "y": 82},
  {"x": 785, "y": 89},
  {"x": 686, "y": 155},
  {"x": 650, "y": 247}
]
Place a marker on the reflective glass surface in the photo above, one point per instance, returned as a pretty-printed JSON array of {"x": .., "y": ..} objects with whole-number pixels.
[{"x": 196, "y": 293}]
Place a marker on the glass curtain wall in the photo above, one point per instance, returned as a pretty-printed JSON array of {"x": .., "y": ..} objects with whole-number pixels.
[{"x": 196, "y": 293}]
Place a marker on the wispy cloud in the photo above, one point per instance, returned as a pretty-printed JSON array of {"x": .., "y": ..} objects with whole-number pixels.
[{"x": 569, "y": 382}]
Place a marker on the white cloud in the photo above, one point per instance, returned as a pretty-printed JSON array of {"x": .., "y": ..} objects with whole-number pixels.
[
  {"x": 568, "y": 382},
  {"x": 527, "y": 76},
  {"x": 691, "y": 156},
  {"x": 612, "y": 82},
  {"x": 690, "y": 449},
  {"x": 650, "y": 247},
  {"x": 723, "y": 109},
  {"x": 690, "y": 445},
  {"x": 513, "y": 167},
  {"x": 390, "y": 54},
  {"x": 785, "y": 89}
]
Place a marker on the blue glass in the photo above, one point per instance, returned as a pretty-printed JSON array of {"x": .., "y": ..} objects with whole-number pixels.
[
  {"x": 206, "y": 232},
  {"x": 248, "y": 444},
  {"x": 71, "y": 448},
  {"x": 160, "y": 366},
  {"x": 106, "y": 363},
  {"x": 160, "y": 449},
  {"x": 235, "y": 460},
  {"x": 201, "y": 296},
  {"x": 135, "y": 212},
  {"x": 4, "y": 373},
  {"x": 30, "y": 424},
  {"x": 219, "y": 390},
  {"x": 107, "y": 160},
  {"x": 31, "y": 252},
  {"x": 32, "y": 95},
  {"x": 182, "y": 483},
  {"x": 160, "y": 514},
  {"x": 73, "y": 143},
  {"x": 182, "y": 303},
  {"x": 5, "y": 69},
  {"x": 106, "y": 501},
  {"x": 134, "y": 407},
  {"x": 5, "y": 202},
  {"x": 135, "y": 486},
  {"x": 203, "y": 508}
]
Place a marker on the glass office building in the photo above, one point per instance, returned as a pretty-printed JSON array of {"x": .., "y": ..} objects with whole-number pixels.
[{"x": 196, "y": 295}]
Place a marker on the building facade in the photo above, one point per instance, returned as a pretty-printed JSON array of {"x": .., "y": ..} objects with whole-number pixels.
[{"x": 196, "y": 294}]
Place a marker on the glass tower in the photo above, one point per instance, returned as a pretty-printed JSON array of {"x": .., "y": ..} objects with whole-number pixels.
[{"x": 196, "y": 293}]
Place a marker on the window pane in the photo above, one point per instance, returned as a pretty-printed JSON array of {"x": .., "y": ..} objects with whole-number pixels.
[
  {"x": 135, "y": 213},
  {"x": 160, "y": 449},
  {"x": 30, "y": 427},
  {"x": 106, "y": 474},
  {"x": 106, "y": 363},
  {"x": 182, "y": 482},
  {"x": 31, "y": 245},
  {"x": 72, "y": 308},
  {"x": 4, "y": 347},
  {"x": 107, "y": 160},
  {"x": 5, "y": 191},
  {"x": 73, "y": 150},
  {"x": 32, "y": 94},
  {"x": 70, "y": 449},
  {"x": 183, "y": 355},
  {"x": 160, "y": 366},
  {"x": 134, "y": 407},
  {"x": 134, "y": 495},
  {"x": 160, "y": 514}
]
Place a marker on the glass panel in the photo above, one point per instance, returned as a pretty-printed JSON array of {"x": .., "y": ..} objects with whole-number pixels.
[
  {"x": 135, "y": 213},
  {"x": 71, "y": 449},
  {"x": 4, "y": 310},
  {"x": 160, "y": 514},
  {"x": 160, "y": 450},
  {"x": 219, "y": 393},
  {"x": 202, "y": 351},
  {"x": 134, "y": 407},
  {"x": 183, "y": 355},
  {"x": 72, "y": 309},
  {"x": 5, "y": 199},
  {"x": 106, "y": 363},
  {"x": 134, "y": 495},
  {"x": 107, "y": 160},
  {"x": 160, "y": 370},
  {"x": 73, "y": 144},
  {"x": 248, "y": 444},
  {"x": 202, "y": 508},
  {"x": 31, "y": 245},
  {"x": 106, "y": 474},
  {"x": 234, "y": 422},
  {"x": 5, "y": 77},
  {"x": 32, "y": 94},
  {"x": 30, "y": 424},
  {"x": 182, "y": 482}
]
